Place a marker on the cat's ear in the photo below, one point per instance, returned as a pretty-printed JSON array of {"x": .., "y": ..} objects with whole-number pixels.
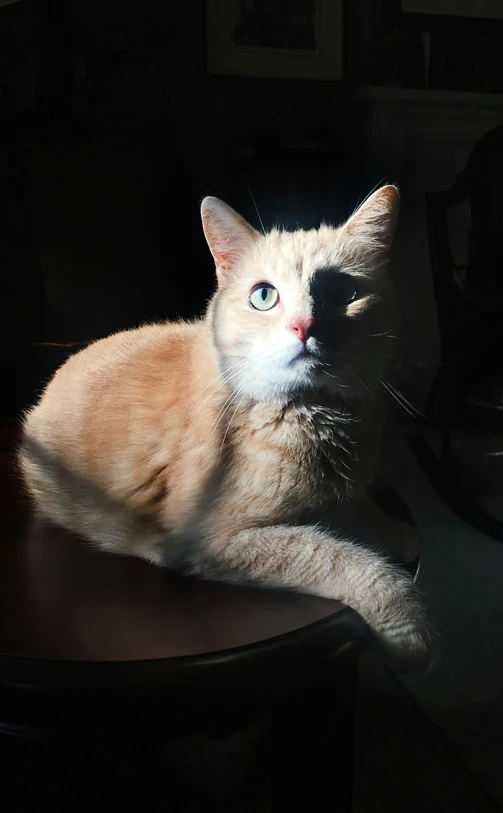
[
  {"x": 373, "y": 225},
  {"x": 228, "y": 235}
]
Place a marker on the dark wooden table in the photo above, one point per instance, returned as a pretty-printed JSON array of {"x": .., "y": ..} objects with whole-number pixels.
[{"x": 102, "y": 648}]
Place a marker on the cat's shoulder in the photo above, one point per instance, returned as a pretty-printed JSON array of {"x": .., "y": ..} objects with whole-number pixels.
[
  {"x": 145, "y": 350},
  {"x": 134, "y": 340}
]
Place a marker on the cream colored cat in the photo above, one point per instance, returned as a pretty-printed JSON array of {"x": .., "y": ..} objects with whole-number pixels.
[{"x": 200, "y": 446}]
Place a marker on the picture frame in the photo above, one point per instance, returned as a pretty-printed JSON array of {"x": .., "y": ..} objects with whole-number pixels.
[{"x": 283, "y": 39}]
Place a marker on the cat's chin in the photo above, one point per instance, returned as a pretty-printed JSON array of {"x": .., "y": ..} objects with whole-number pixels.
[{"x": 282, "y": 390}]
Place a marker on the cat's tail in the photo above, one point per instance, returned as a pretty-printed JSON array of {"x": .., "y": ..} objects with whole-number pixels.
[{"x": 313, "y": 561}]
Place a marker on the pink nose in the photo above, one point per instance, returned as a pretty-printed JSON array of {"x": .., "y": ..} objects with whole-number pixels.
[{"x": 301, "y": 327}]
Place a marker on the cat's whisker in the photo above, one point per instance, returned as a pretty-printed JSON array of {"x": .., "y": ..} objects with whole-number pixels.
[
  {"x": 229, "y": 402},
  {"x": 391, "y": 389},
  {"x": 240, "y": 391},
  {"x": 384, "y": 333},
  {"x": 222, "y": 375},
  {"x": 365, "y": 199},
  {"x": 345, "y": 357},
  {"x": 233, "y": 401},
  {"x": 397, "y": 399},
  {"x": 225, "y": 379},
  {"x": 402, "y": 400},
  {"x": 220, "y": 386},
  {"x": 244, "y": 364},
  {"x": 350, "y": 370},
  {"x": 227, "y": 405},
  {"x": 256, "y": 207},
  {"x": 229, "y": 424},
  {"x": 325, "y": 372}
]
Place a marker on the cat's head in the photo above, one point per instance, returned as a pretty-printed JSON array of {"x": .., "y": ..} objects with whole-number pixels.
[{"x": 298, "y": 311}]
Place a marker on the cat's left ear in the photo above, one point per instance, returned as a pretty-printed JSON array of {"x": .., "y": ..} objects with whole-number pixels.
[
  {"x": 373, "y": 225},
  {"x": 228, "y": 235}
]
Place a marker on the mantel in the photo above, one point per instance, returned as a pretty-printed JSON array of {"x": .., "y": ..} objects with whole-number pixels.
[{"x": 439, "y": 98}]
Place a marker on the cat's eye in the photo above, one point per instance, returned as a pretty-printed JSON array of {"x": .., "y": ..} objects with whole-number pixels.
[
  {"x": 333, "y": 287},
  {"x": 263, "y": 296},
  {"x": 343, "y": 290}
]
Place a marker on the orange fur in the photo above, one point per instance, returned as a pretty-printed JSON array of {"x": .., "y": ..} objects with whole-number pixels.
[{"x": 202, "y": 444}]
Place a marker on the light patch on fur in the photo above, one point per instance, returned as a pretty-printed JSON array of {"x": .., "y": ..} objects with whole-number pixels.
[{"x": 359, "y": 306}]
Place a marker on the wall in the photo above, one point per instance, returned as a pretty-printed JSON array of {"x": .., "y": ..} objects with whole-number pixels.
[{"x": 424, "y": 138}]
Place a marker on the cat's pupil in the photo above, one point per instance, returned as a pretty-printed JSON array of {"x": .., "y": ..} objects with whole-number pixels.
[{"x": 265, "y": 294}]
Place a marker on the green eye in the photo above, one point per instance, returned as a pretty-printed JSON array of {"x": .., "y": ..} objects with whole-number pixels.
[{"x": 263, "y": 296}]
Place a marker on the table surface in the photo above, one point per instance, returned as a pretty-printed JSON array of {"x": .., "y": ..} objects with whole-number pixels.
[{"x": 60, "y": 599}]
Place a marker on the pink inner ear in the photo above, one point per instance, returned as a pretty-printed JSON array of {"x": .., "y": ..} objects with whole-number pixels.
[
  {"x": 224, "y": 258},
  {"x": 224, "y": 262},
  {"x": 220, "y": 244},
  {"x": 377, "y": 217},
  {"x": 228, "y": 235}
]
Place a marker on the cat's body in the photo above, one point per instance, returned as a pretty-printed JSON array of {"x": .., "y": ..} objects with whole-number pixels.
[
  {"x": 173, "y": 443},
  {"x": 185, "y": 464}
]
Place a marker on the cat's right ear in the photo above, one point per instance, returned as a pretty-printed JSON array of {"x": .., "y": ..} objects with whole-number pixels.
[{"x": 228, "y": 235}]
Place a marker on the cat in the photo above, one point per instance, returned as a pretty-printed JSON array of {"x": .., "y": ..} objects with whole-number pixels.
[{"x": 202, "y": 446}]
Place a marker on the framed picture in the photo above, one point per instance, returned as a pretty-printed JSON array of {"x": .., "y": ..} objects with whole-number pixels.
[{"x": 300, "y": 39}]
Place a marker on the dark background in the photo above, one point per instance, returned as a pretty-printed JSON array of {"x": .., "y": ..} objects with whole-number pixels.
[{"x": 112, "y": 131}]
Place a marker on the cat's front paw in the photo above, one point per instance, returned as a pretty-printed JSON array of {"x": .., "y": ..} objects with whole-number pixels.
[{"x": 415, "y": 650}]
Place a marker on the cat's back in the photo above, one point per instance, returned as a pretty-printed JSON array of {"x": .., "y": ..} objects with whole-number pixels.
[{"x": 129, "y": 379}]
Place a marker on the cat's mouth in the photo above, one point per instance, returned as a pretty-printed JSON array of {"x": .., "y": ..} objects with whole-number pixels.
[{"x": 304, "y": 354}]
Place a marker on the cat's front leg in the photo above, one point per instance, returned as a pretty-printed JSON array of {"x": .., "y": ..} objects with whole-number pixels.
[
  {"x": 366, "y": 521},
  {"x": 310, "y": 560}
]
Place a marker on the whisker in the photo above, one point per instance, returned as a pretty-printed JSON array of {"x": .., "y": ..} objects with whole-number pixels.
[
  {"x": 256, "y": 207},
  {"x": 409, "y": 411},
  {"x": 227, "y": 372},
  {"x": 230, "y": 400},
  {"x": 223, "y": 409},
  {"x": 227, "y": 377},
  {"x": 227, "y": 405},
  {"x": 350, "y": 369},
  {"x": 220, "y": 386},
  {"x": 385, "y": 334},
  {"x": 391, "y": 389},
  {"x": 366, "y": 198},
  {"x": 344, "y": 386},
  {"x": 229, "y": 424},
  {"x": 402, "y": 400}
]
